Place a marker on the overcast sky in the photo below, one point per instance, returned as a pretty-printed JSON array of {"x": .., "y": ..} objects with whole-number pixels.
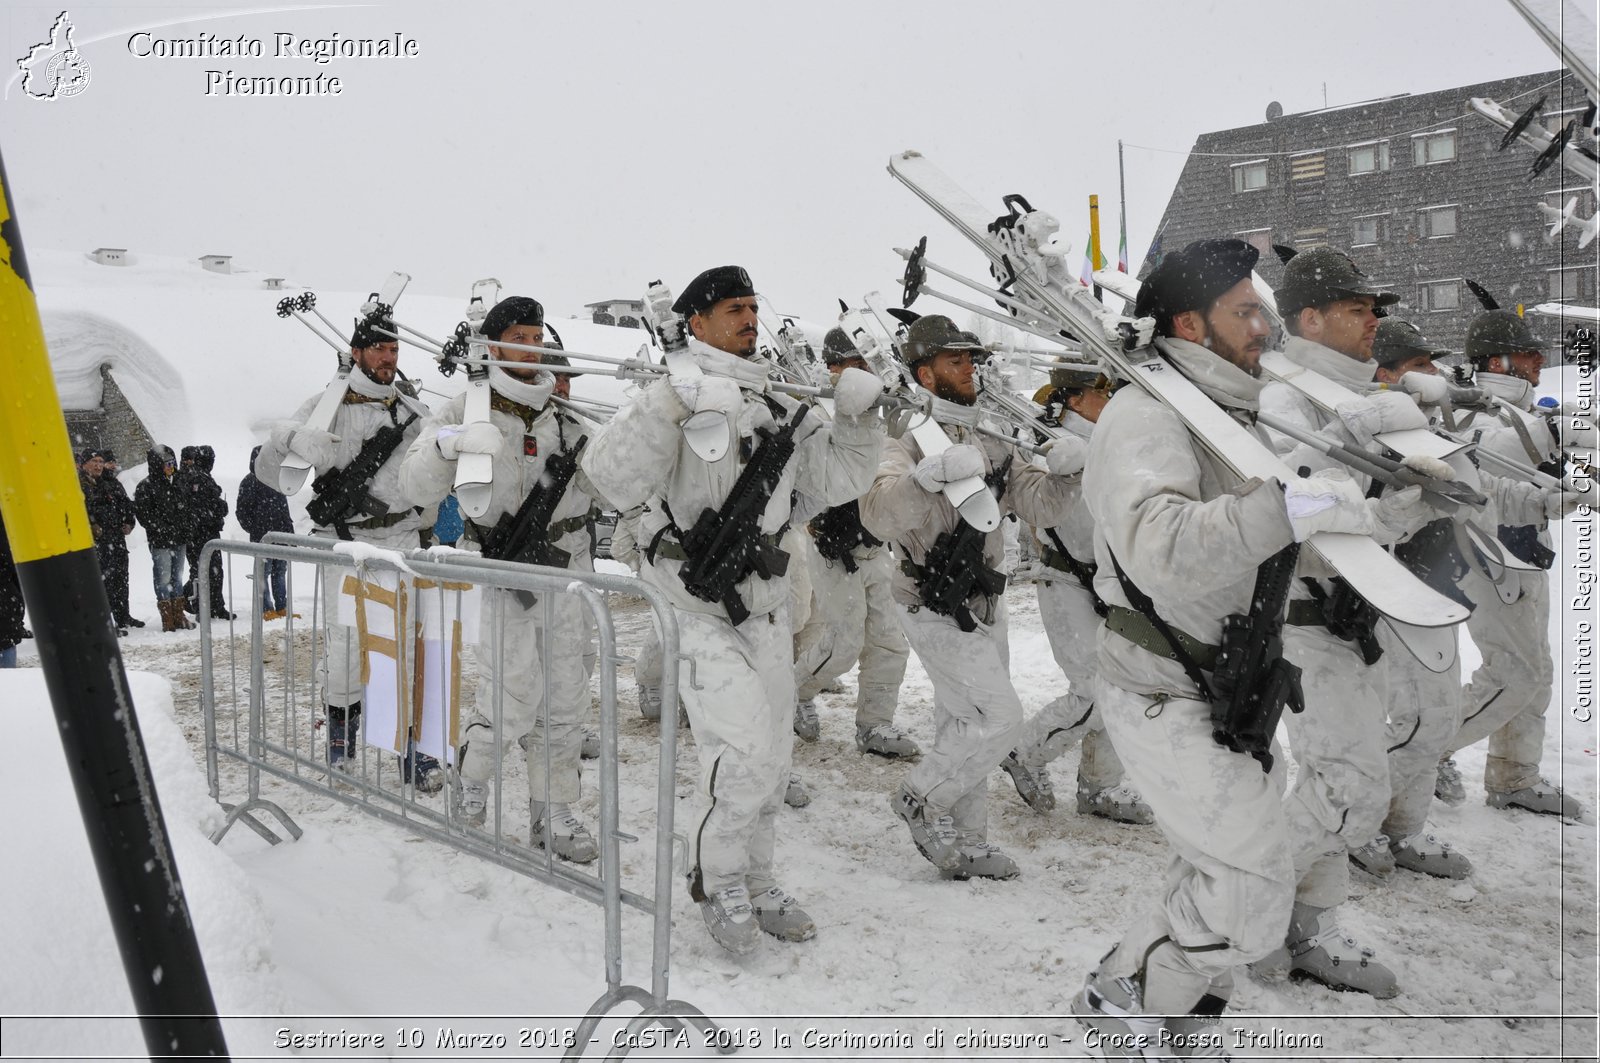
[{"x": 579, "y": 151}]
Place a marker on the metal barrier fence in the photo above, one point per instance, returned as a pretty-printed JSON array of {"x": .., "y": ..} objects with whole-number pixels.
[{"x": 269, "y": 726}]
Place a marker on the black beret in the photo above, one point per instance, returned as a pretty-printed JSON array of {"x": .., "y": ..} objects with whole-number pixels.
[
  {"x": 711, "y": 287},
  {"x": 1194, "y": 278},
  {"x": 512, "y": 310},
  {"x": 366, "y": 334}
]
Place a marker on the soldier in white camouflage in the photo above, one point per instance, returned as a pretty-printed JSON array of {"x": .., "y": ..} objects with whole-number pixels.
[
  {"x": 852, "y": 616},
  {"x": 944, "y": 800},
  {"x": 740, "y": 693}
]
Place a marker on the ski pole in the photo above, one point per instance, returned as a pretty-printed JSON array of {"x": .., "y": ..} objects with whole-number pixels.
[
  {"x": 1449, "y": 493},
  {"x": 287, "y": 308}
]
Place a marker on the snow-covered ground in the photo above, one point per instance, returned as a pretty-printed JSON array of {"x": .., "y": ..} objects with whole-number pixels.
[{"x": 361, "y": 927}]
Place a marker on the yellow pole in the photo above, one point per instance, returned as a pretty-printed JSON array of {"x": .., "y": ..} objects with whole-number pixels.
[
  {"x": 45, "y": 518},
  {"x": 1094, "y": 239}
]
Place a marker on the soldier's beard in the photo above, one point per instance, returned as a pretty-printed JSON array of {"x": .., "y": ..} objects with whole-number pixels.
[{"x": 951, "y": 391}]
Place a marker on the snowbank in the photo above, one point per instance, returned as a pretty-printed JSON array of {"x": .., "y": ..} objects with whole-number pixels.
[{"x": 61, "y": 955}]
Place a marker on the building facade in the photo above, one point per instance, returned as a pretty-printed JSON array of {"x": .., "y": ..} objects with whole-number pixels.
[{"x": 1414, "y": 187}]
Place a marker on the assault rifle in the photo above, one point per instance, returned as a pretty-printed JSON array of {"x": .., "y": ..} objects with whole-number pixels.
[
  {"x": 724, "y": 546},
  {"x": 838, "y": 531},
  {"x": 1347, "y": 616},
  {"x": 344, "y": 495},
  {"x": 1252, "y": 682},
  {"x": 954, "y": 569},
  {"x": 1434, "y": 556},
  {"x": 524, "y": 536}
]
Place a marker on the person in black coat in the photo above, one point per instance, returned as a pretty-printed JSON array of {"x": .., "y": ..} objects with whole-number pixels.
[
  {"x": 207, "y": 510},
  {"x": 12, "y": 630},
  {"x": 111, "y": 512},
  {"x": 261, "y": 509},
  {"x": 164, "y": 513}
]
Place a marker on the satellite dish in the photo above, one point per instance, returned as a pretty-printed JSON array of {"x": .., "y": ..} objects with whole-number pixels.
[{"x": 1274, "y": 111}]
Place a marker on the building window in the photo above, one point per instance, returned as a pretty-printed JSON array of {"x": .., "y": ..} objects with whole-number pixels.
[
  {"x": 1250, "y": 176},
  {"x": 1369, "y": 158},
  {"x": 1308, "y": 166},
  {"x": 1435, "y": 223},
  {"x": 1429, "y": 148},
  {"x": 1260, "y": 239},
  {"x": 1439, "y": 295},
  {"x": 1570, "y": 285},
  {"x": 1306, "y": 239},
  {"x": 1370, "y": 229}
]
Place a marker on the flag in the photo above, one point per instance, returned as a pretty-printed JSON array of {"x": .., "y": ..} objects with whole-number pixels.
[{"x": 1088, "y": 268}]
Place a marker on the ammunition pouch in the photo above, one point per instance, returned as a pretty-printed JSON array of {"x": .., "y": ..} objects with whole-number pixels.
[
  {"x": 1343, "y": 612},
  {"x": 1523, "y": 542}
]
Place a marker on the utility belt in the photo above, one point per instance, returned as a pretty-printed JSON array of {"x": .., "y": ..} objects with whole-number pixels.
[
  {"x": 672, "y": 550},
  {"x": 388, "y": 520},
  {"x": 1137, "y": 629},
  {"x": 473, "y": 533},
  {"x": 1346, "y": 616}
]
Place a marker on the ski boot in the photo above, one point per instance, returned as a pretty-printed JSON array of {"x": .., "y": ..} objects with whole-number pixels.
[
  {"x": 1430, "y": 856},
  {"x": 795, "y": 795},
  {"x": 1542, "y": 797},
  {"x": 982, "y": 860},
  {"x": 1033, "y": 784},
  {"x": 344, "y": 725},
  {"x": 806, "y": 725},
  {"x": 569, "y": 838},
  {"x": 1375, "y": 857},
  {"x": 1447, "y": 787},
  {"x": 731, "y": 920},
  {"x": 1117, "y": 803},
  {"x": 934, "y": 834},
  {"x": 886, "y": 740},
  {"x": 1320, "y": 951},
  {"x": 780, "y": 915}
]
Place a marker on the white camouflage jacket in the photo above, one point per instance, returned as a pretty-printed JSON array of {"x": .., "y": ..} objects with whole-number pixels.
[
  {"x": 641, "y": 458},
  {"x": 427, "y": 476},
  {"x": 898, "y": 510},
  {"x": 1186, "y": 531},
  {"x": 356, "y": 421}
]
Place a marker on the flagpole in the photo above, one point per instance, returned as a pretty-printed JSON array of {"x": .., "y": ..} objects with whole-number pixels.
[{"x": 1122, "y": 207}]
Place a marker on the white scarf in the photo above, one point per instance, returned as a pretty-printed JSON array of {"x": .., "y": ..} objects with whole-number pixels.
[
  {"x": 1511, "y": 389},
  {"x": 1320, "y": 358},
  {"x": 1222, "y": 382},
  {"x": 749, "y": 373},
  {"x": 365, "y": 386},
  {"x": 534, "y": 396}
]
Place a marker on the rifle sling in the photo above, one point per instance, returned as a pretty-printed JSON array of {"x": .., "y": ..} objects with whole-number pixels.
[{"x": 1175, "y": 640}]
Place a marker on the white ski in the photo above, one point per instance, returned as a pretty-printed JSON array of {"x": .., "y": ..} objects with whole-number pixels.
[
  {"x": 971, "y": 497},
  {"x": 475, "y": 472},
  {"x": 1046, "y": 281}
]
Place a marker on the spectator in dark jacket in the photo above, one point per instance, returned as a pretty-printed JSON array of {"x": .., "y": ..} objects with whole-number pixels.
[
  {"x": 160, "y": 505},
  {"x": 11, "y": 628},
  {"x": 261, "y": 509},
  {"x": 207, "y": 510},
  {"x": 112, "y": 516}
]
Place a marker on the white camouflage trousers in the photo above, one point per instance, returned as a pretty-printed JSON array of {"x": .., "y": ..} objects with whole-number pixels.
[
  {"x": 1231, "y": 881},
  {"x": 740, "y": 701},
  {"x": 1066, "y": 609},
  {"x": 339, "y": 670},
  {"x": 853, "y": 618},
  {"x": 1506, "y": 699},
  {"x": 531, "y": 656},
  {"x": 1341, "y": 786},
  {"x": 1424, "y": 715},
  {"x": 976, "y": 714}
]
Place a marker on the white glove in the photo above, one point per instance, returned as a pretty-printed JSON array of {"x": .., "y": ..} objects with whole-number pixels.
[
  {"x": 855, "y": 391},
  {"x": 316, "y": 446},
  {"x": 1143, "y": 330},
  {"x": 1576, "y": 433},
  {"x": 957, "y": 462},
  {"x": 1559, "y": 504},
  {"x": 1427, "y": 465},
  {"x": 1385, "y": 411},
  {"x": 481, "y": 437},
  {"x": 1399, "y": 513},
  {"x": 1327, "y": 501},
  {"x": 717, "y": 394},
  {"x": 1066, "y": 456},
  {"x": 1429, "y": 388}
]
